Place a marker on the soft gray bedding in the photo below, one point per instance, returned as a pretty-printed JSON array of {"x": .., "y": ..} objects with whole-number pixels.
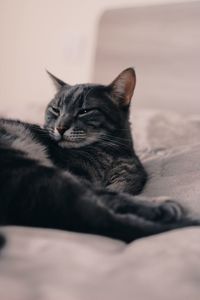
[{"x": 50, "y": 264}]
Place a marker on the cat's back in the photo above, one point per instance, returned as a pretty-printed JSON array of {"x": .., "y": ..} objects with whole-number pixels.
[{"x": 22, "y": 139}]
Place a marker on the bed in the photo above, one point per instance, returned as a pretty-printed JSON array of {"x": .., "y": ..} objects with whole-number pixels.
[{"x": 51, "y": 264}]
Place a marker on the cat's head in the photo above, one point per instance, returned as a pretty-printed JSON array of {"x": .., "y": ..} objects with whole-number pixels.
[{"x": 84, "y": 114}]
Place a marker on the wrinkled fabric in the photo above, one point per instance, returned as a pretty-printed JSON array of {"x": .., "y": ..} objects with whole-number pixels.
[{"x": 51, "y": 264}]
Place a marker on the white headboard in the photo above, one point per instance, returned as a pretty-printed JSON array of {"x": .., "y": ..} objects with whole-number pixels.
[{"x": 162, "y": 42}]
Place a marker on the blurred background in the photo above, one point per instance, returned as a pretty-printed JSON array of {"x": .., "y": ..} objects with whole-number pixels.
[{"x": 92, "y": 41}]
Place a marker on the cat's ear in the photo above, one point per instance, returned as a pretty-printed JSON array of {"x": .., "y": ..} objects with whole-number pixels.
[
  {"x": 58, "y": 83},
  {"x": 123, "y": 86}
]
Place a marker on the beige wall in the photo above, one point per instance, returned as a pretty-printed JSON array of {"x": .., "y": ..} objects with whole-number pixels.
[{"x": 55, "y": 34}]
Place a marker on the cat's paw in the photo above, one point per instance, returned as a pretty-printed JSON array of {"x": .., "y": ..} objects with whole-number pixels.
[
  {"x": 162, "y": 209},
  {"x": 170, "y": 211}
]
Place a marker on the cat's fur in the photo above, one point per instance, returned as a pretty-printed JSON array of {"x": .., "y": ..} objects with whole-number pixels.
[{"x": 78, "y": 173}]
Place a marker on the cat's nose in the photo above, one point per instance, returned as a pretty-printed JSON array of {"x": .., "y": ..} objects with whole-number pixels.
[{"x": 61, "y": 130}]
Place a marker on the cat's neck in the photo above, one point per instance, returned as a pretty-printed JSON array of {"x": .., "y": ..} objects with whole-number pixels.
[{"x": 98, "y": 151}]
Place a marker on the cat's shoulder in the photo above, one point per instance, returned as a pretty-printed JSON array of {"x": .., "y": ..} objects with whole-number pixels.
[
  {"x": 17, "y": 127},
  {"x": 17, "y": 123},
  {"x": 26, "y": 138}
]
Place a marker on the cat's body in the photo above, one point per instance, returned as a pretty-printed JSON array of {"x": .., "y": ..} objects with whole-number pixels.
[
  {"x": 93, "y": 164},
  {"x": 73, "y": 174}
]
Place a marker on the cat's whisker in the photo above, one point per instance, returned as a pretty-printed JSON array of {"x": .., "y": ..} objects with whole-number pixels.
[
  {"x": 116, "y": 147},
  {"x": 114, "y": 141},
  {"x": 118, "y": 138}
]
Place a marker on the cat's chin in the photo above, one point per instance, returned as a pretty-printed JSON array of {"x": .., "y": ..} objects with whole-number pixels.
[
  {"x": 71, "y": 142},
  {"x": 74, "y": 144}
]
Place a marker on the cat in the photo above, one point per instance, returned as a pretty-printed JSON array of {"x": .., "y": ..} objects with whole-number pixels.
[
  {"x": 79, "y": 172},
  {"x": 95, "y": 131}
]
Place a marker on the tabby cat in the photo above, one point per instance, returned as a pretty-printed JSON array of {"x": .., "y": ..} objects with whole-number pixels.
[{"x": 80, "y": 172}]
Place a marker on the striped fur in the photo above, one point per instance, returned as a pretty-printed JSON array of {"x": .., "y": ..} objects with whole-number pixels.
[{"x": 80, "y": 171}]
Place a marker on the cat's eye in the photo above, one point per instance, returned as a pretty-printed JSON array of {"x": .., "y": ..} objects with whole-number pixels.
[
  {"x": 83, "y": 111},
  {"x": 55, "y": 110}
]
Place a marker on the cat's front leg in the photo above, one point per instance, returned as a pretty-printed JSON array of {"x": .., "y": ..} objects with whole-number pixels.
[
  {"x": 126, "y": 175},
  {"x": 160, "y": 209},
  {"x": 125, "y": 217}
]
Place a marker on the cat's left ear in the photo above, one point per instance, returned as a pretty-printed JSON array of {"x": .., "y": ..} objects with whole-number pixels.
[
  {"x": 58, "y": 83},
  {"x": 123, "y": 86}
]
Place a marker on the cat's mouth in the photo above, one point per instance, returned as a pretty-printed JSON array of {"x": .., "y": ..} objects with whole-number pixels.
[
  {"x": 72, "y": 140},
  {"x": 76, "y": 142}
]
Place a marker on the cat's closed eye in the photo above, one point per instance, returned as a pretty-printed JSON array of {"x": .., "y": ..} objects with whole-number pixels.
[
  {"x": 88, "y": 110},
  {"x": 83, "y": 111},
  {"x": 55, "y": 110}
]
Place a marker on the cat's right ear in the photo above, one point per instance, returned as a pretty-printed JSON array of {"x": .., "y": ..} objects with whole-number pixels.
[
  {"x": 123, "y": 86},
  {"x": 58, "y": 83}
]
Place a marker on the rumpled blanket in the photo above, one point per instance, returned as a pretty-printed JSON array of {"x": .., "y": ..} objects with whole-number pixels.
[{"x": 51, "y": 264}]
